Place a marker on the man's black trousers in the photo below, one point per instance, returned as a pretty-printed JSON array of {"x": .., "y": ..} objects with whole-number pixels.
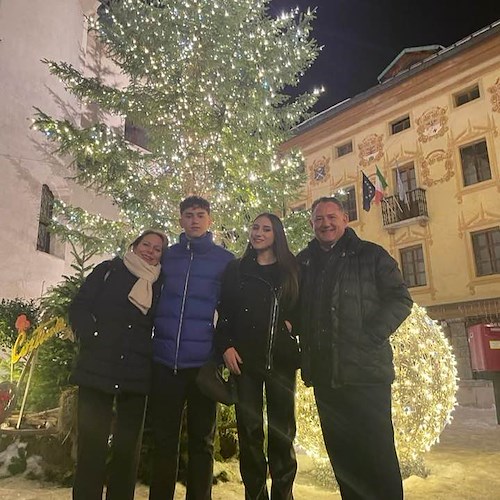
[{"x": 359, "y": 438}]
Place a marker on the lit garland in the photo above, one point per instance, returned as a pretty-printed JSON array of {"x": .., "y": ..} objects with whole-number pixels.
[
  {"x": 207, "y": 81},
  {"x": 423, "y": 396}
]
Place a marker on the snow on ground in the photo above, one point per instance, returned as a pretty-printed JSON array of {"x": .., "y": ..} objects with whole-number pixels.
[{"x": 465, "y": 465}]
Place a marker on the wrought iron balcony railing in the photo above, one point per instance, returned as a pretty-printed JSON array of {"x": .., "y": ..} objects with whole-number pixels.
[{"x": 394, "y": 210}]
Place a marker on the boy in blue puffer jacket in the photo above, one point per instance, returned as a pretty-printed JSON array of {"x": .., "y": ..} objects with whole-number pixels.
[{"x": 182, "y": 343}]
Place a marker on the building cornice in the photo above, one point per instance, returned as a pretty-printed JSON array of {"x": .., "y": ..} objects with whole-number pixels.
[{"x": 404, "y": 78}]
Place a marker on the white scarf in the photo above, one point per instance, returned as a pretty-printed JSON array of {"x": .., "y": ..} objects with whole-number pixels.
[{"x": 141, "y": 294}]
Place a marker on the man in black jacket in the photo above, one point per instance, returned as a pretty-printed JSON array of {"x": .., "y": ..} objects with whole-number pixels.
[{"x": 352, "y": 299}]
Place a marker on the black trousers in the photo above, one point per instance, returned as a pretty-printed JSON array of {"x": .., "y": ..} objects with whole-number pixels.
[
  {"x": 359, "y": 438},
  {"x": 95, "y": 413},
  {"x": 169, "y": 395},
  {"x": 280, "y": 402}
]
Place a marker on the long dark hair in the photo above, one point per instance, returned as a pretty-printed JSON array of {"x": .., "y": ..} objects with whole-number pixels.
[{"x": 287, "y": 264}]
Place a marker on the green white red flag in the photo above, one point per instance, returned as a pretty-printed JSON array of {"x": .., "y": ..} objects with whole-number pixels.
[{"x": 380, "y": 185}]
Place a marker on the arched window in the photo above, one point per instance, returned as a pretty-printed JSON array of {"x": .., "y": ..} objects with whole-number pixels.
[{"x": 46, "y": 208}]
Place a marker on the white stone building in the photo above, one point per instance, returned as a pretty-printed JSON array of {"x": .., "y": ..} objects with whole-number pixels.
[{"x": 30, "y": 175}]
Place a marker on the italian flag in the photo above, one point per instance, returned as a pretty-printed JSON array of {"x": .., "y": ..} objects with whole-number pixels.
[{"x": 380, "y": 185}]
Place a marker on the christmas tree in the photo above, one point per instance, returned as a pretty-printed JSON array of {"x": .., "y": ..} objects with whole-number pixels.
[{"x": 206, "y": 87}]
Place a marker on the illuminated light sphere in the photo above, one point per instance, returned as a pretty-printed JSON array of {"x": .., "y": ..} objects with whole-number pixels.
[{"x": 423, "y": 397}]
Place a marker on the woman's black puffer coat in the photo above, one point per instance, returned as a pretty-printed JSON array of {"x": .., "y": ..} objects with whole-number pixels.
[{"x": 115, "y": 344}]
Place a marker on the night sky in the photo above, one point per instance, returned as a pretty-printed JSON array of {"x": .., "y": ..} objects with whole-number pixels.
[{"x": 362, "y": 37}]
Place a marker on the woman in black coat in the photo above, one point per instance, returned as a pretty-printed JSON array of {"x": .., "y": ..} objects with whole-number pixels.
[
  {"x": 112, "y": 318},
  {"x": 253, "y": 335}
]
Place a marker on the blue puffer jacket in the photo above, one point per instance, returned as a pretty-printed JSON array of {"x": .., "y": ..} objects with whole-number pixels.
[{"x": 184, "y": 330}]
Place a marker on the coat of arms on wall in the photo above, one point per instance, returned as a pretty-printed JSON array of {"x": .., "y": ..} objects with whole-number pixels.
[
  {"x": 494, "y": 90},
  {"x": 432, "y": 124},
  {"x": 320, "y": 170},
  {"x": 371, "y": 149},
  {"x": 443, "y": 161}
]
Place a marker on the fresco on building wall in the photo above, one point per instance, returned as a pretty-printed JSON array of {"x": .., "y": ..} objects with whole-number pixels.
[
  {"x": 494, "y": 90},
  {"x": 371, "y": 149},
  {"x": 320, "y": 170},
  {"x": 432, "y": 124},
  {"x": 430, "y": 178}
]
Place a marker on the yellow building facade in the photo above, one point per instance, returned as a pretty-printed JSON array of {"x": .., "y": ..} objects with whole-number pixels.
[{"x": 431, "y": 127}]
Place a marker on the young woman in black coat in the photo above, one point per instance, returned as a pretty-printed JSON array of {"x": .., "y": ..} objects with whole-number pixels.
[
  {"x": 112, "y": 318},
  {"x": 253, "y": 334}
]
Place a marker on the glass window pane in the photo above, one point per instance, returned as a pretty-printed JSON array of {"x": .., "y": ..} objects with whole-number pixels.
[
  {"x": 413, "y": 266},
  {"x": 344, "y": 149},
  {"x": 467, "y": 96},
  {"x": 348, "y": 198},
  {"x": 45, "y": 216},
  {"x": 475, "y": 163},
  {"x": 486, "y": 247}
]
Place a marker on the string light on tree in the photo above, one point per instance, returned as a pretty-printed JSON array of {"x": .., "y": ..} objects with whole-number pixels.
[{"x": 206, "y": 81}]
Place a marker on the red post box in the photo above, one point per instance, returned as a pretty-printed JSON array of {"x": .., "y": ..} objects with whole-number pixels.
[{"x": 484, "y": 344}]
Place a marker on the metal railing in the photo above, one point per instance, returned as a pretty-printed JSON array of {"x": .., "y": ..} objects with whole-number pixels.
[{"x": 394, "y": 210}]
